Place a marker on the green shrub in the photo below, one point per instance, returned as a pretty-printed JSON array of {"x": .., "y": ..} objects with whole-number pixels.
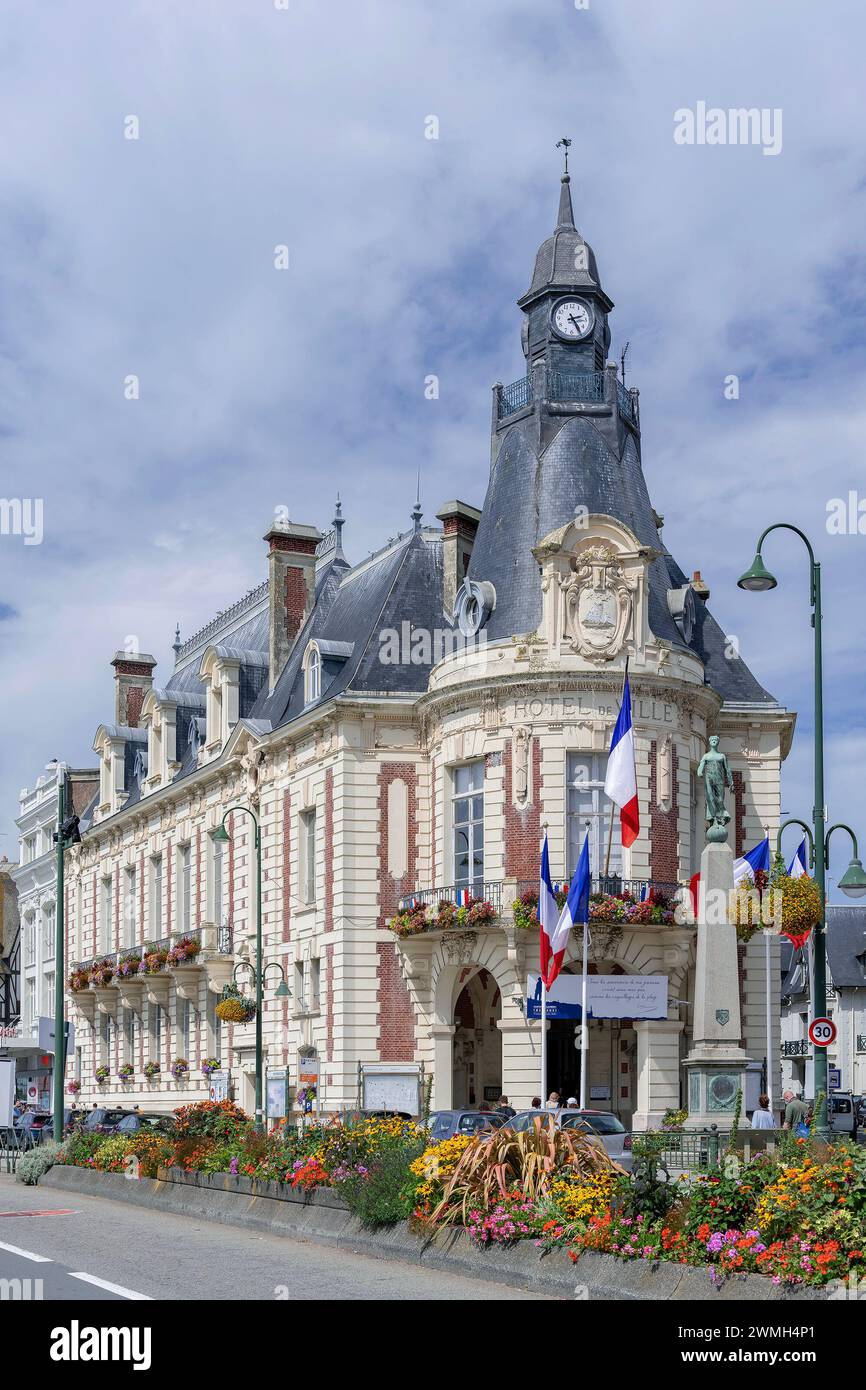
[
  {"x": 210, "y": 1119},
  {"x": 81, "y": 1148},
  {"x": 382, "y": 1195},
  {"x": 35, "y": 1164}
]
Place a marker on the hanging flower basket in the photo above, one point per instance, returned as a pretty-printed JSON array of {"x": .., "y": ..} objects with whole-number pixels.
[
  {"x": 180, "y": 1068},
  {"x": 74, "y": 1087},
  {"x": 210, "y": 1065},
  {"x": 234, "y": 1007},
  {"x": 102, "y": 1074},
  {"x": 184, "y": 951},
  {"x": 102, "y": 973},
  {"x": 79, "y": 979},
  {"x": 126, "y": 1072},
  {"x": 305, "y": 1098},
  {"x": 152, "y": 1070}
]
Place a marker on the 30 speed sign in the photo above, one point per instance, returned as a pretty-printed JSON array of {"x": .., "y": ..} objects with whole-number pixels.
[{"x": 822, "y": 1032}]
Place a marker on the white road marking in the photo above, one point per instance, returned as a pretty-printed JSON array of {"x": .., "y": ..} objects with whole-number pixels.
[
  {"x": 112, "y": 1288},
  {"x": 25, "y": 1254}
]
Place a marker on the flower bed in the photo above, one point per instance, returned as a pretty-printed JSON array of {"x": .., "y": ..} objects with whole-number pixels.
[{"x": 797, "y": 1217}]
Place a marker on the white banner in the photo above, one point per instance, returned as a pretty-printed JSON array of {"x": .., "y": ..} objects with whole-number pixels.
[{"x": 607, "y": 996}]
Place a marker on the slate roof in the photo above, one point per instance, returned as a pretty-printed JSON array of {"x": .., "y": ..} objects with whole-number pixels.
[{"x": 846, "y": 953}]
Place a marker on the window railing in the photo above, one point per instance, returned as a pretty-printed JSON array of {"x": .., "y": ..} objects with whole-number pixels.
[
  {"x": 453, "y": 893},
  {"x": 861, "y": 1042},
  {"x": 799, "y": 1047},
  {"x": 637, "y": 888}
]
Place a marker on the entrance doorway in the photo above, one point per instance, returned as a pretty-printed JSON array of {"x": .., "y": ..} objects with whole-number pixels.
[
  {"x": 612, "y": 1048},
  {"x": 477, "y": 1046}
]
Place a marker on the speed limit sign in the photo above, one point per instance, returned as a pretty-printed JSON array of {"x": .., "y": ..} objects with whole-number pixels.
[{"x": 822, "y": 1032}]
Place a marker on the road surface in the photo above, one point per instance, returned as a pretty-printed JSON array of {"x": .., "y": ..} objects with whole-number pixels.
[{"x": 89, "y": 1248}]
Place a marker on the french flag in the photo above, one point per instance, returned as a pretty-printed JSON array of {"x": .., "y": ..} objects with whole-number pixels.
[
  {"x": 799, "y": 865},
  {"x": 620, "y": 782},
  {"x": 755, "y": 860},
  {"x": 555, "y": 926}
]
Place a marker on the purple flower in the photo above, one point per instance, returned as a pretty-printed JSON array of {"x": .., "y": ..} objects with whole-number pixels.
[{"x": 233, "y": 1167}]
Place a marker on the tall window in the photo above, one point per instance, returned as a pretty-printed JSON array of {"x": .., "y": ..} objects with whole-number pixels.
[
  {"x": 48, "y": 993},
  {"x": 588, "y": 803},
  {"x": 156, "y": 896},
  {"x": 130, "y": 907},
  {"x": 467, "y": 820},
  {"x": 129, "y": 1036},
  {"x": 184, "y": 888},
  {"x": 48, "y": 920},
  {"x": 308, "y": 855},
  {"x": 214, "y": 1024},
  {"x": 105, "y": 1034},
  {"x": 155, "y": 1030},
  {"x": 300, "y": 987},
  {"x": 314, "y": 675},
  {"x": 216, "y": 869},
  {"x": 184, "y": 1016},
  {"x": 105, "y": 915},
  {"x": 31, "y": 1003},
  {"x": 315, "y": 984},
  {"x": 30, "y": 941}
]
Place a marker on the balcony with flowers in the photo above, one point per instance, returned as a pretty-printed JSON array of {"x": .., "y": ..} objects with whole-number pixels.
[{"x": 147, "y": 971}]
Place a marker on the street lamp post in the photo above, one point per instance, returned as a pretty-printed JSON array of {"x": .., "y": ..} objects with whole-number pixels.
[
  {"x": 222, "y": 836},
  {"x": 758, "y": 579},
  {"x": 66, "y": 834}
]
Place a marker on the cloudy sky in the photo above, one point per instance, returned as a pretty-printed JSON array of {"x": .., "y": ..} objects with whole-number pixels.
[{"x": 305, "y": 126}]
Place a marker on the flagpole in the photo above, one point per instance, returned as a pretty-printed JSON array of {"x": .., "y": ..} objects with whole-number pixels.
[
  {"x": 612, "y": 804},
  {"x": 584, "y": 1025},
  {"x": 769, "y": 1020},
  {"x": 543, "y": 1092}
]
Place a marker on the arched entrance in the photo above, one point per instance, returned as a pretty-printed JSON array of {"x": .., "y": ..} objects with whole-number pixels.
[
  {"x": 477, "y": 1043},
  {"x": 612, "y": 1056}
]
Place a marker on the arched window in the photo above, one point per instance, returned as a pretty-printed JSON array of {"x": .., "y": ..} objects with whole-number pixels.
[{"x": 314, "y": 675}]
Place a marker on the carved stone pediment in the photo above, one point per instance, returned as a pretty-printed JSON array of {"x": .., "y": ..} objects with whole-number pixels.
[{"x": 459, "y": 947}]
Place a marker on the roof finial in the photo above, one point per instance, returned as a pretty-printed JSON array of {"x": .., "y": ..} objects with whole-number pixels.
[
  {"x": 338, "y": 528},
  {"x": 566, "y": 213},
  {"x": 416, "y": 510},
  {"x": 176, "y": 644}
]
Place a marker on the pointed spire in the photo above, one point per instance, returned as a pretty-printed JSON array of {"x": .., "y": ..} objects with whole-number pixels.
[
  {"x": 338, "y": 528},
  {"x": 176, "y": 645},
  {"x": 416, "y": 510},
  {"x": 566, "y": 212}
]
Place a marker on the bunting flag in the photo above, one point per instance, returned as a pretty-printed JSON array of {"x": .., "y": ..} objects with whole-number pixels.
[{"x": 620, "y": 782}]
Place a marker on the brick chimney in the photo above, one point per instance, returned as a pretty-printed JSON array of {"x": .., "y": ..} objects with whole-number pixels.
[
  {"x": 133, "y": 677},
  {"x": 291, "y": 586},
  {"x": 459, "y": 523},
  {"x": 700, "y": 586}
]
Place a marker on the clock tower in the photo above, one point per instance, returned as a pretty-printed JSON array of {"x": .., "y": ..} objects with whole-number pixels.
[{"x": 566, "y": 323}]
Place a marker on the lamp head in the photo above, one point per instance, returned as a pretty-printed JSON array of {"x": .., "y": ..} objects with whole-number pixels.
[
  {"x": 283, "y": 991},
  {"x": 221, "y": 836},
  {"x": 757, "y": 578},
  {"x": 853, "y": 881}
]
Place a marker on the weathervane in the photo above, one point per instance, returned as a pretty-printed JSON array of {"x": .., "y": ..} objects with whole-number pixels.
[{"x": 564, "y": 143}]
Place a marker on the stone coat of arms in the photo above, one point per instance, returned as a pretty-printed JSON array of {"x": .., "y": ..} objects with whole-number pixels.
[{"x": 598, "y": 603}]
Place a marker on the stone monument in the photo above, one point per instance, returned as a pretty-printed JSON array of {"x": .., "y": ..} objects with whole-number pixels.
[{"x": 716, "y": 1064}]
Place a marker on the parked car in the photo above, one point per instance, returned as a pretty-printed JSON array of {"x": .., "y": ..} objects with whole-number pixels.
[
  {"x": 155, "y": 1120},
  {"x": 842, "y": 1113},
  {"x": 445, "y": 1124},
  {"x": 602, "y": 1123},
  {"x": 354, "y": 1117},
  {"x": 102, "y": 1120},
  {"x": 37, "y": 1124}
]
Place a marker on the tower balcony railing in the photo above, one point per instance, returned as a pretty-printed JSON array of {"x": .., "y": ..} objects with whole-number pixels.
[{"x": 592, "y": 388}]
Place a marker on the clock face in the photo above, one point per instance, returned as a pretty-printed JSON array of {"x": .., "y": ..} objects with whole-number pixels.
[{"x": 572, "y": 318}]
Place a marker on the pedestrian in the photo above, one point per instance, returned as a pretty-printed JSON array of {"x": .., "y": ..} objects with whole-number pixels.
[
  {"x": 535, "y": 1103},
  {"x": 571, "y": 1103},
  {"x": 503, "y": 1108},
  {"x": 796, "y": 1110},
  {"x": 762, "y": 1115},
  {"x": 553, "y": 1101}
]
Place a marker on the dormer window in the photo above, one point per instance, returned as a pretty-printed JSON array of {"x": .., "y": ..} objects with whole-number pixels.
[
  {"x": 140, "y": 768},
  {"x": 195, "y": 737},
  {"x": 312, "y": 675}
]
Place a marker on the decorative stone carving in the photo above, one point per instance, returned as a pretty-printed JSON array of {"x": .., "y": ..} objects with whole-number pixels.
[
  {"x": 521, "y": 744},
  {"x": 459, "y": 947},
  {"x": 598, "y": 603}
]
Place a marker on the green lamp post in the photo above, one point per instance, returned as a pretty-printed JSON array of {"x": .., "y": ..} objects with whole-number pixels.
[
  {"x": 66, "y": 834},
  {"x": 222, "y": 836},
  {"x": 758, "y": 579}
]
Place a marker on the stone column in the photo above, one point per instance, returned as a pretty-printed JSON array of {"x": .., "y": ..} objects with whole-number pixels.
[
  {"x": 443, "y": 1065},
  {"x": 521, "y": 1060},
  {"x": 658, "y": 1070},
  {"x": 716, "y": 1064}
]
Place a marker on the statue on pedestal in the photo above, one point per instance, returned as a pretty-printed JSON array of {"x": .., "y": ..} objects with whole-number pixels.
[{"x": 717, "y": 776}]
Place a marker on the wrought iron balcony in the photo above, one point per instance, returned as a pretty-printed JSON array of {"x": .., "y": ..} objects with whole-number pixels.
[
  {"x": 453, "y": 893},
  {"x": 584, "y": 387},
  {"x": 514, "y": 397},
  {"x": 799, "y": 1047}
]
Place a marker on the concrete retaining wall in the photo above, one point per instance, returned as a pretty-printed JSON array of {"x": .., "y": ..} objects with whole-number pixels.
[{"x": 323, "y": 1216}]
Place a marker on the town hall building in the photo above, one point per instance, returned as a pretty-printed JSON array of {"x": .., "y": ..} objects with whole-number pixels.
[{"x": 390, "y": 770}]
